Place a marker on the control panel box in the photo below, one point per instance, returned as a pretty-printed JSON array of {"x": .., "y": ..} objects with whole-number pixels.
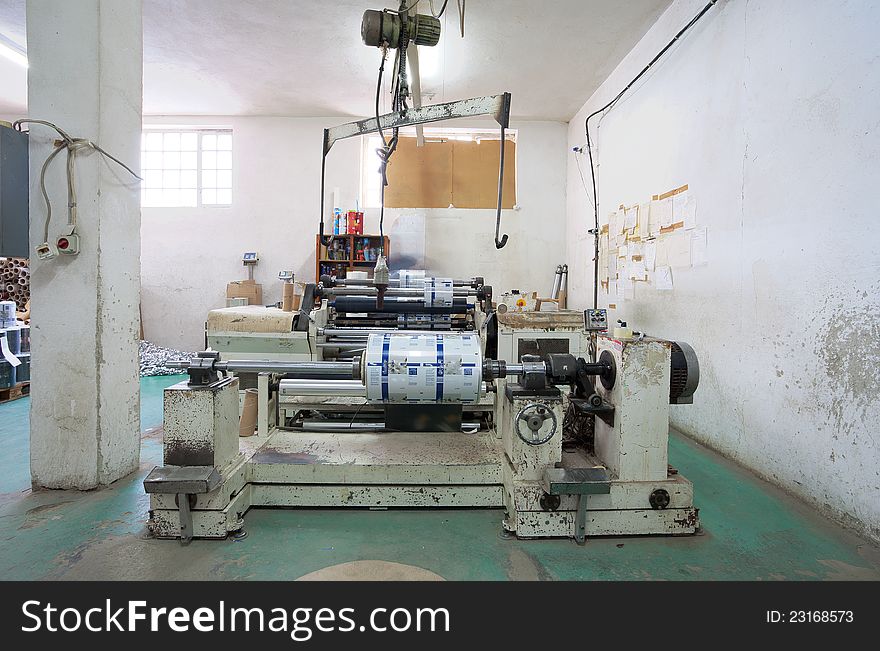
[{"x": 596, "y": 320}]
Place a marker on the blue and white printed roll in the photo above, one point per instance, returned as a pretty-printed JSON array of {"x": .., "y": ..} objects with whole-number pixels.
[{"x": 423, "y": 368}]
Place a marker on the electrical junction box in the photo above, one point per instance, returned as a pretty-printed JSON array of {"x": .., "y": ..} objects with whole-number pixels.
[
  {"x": 68, "y": 244},
  {"x": 46, "y": 251},
  {"x": 13, "y": 193}
]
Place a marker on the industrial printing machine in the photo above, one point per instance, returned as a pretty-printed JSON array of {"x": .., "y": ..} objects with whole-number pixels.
[{"x": 568, "y": 444}]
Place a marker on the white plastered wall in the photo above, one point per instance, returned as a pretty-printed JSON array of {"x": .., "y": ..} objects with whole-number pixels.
[
  {"x": 189, "y": 254},
  {"x": 768, "y": 109}
]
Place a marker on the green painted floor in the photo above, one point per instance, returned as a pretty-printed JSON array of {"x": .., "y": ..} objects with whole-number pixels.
[{"x": 751, "y": 531}]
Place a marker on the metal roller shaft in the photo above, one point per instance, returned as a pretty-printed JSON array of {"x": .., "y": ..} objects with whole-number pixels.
[
  {"x": 395, "y": 282},
  {"x": 365, "y": 290},
  {"x": 304, "y": 370},
  {"x": 396, "y": 305},
  {"x": 363, "y": 333},
  {"x": 299, "y": 370},
  {"x": 322, "y": 388}
]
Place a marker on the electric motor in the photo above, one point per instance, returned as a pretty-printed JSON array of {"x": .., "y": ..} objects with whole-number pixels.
[
  {"x": 380, "y": 28},
  {"x": 685, "y": 374}
]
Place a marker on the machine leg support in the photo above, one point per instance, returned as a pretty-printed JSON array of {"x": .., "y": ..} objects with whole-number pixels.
[
  {"x": 580, "y": 522},
  {"x": 186, "y": 521}
]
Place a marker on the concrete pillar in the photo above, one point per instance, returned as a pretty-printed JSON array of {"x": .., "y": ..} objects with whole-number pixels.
[{"x": 85, "y": 75}]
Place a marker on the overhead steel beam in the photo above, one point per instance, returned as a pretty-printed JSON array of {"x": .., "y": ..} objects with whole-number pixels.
[{"x": 498, "y": 106}]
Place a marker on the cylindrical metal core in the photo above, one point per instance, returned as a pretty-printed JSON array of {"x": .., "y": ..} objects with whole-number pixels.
[
  {"x": 557, "y": 282},
  {"x": 322, "y": 388},
  {"x": 296, "y": 370}
]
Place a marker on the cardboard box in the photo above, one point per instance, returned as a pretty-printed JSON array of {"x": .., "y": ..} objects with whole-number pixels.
[{"x": 248, "y": 289}]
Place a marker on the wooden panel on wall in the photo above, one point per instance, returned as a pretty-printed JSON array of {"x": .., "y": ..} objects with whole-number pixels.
[
  {"x": 419, "y": 177},
  {"x": 457, "y": 172},
  {"x": 475, "y": 174}
]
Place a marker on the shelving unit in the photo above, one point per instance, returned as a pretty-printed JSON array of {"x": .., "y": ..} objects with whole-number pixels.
[{"x": 349, "y": 247}]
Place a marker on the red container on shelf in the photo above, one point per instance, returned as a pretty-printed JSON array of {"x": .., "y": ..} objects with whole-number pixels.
[{"x": 355, "y": 223}]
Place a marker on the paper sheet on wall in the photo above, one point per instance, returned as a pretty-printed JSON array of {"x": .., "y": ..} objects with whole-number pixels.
[
  {"x": 650, "y": 254},
  {"x": 622, "y": 251},
  {"x": 629, "y": 290},
  {"x": 699, "y": 241},
  {"x": 679, "y": 201},
  {"x": 664, "y": 212},
  {"x": 615, "y": 225},
  {"x": 662, "y": 253},
  {"x": 653, "y": 219},
  {"x": 690, "y": 213},
  {"x": 636, "y": 270},
  {"x": 644, "y": 217},
  {"x": 612, "y": 266},
  {"x": 631, "y": 217},
  {"x": 679, "y": 249},
  {"x": 663, "y": 278}
]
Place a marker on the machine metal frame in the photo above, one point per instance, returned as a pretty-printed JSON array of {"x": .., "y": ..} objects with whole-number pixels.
[{"x": 623, "y": 487}]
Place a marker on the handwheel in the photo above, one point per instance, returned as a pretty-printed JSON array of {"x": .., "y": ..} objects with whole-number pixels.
[{"x": 540, "y": 423}]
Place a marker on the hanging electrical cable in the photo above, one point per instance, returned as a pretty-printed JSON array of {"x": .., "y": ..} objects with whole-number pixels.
[
  {"x": 595, "y": 229},
  {"x": 442, "y": 9},
  {"x": 72, "y": 146}
]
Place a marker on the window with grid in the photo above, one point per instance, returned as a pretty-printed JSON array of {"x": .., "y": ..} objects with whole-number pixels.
[{"x": 186, "y": 167}]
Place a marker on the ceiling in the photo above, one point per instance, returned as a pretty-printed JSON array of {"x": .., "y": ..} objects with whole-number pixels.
[{"x": 305, "y": 58}]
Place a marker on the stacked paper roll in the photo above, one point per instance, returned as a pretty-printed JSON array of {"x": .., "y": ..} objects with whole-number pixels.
[{"x": 15, "y": 282}]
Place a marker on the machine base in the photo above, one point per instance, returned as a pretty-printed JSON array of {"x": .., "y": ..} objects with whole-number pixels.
[{"x": 415, "y": 470}]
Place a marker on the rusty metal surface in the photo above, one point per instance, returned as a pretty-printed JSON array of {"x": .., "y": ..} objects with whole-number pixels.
[
  {"x": 498, "y": 106},
  {"x": 529, "y": 461},
  {"x": 532, "y": 524},
  {"x": 165, "y": 523},
  {"x": 378, "y": 496},
  {"x": 200, "y": 426},
  {"x": 366, "y": 458},
  {"x": 182, "y": 479},
  {"x": 234, "y": 478},
  {"x": 568, "y": 319}
]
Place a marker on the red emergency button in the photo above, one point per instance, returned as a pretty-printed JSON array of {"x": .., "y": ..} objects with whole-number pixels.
[{"x": 63, "y": 243}]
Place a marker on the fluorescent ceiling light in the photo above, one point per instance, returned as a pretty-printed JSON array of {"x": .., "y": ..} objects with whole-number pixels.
[{"x": 11, "y": 51}]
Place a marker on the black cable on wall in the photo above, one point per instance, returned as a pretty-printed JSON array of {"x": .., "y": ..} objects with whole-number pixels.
[{"x": 610, "y": 104}]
